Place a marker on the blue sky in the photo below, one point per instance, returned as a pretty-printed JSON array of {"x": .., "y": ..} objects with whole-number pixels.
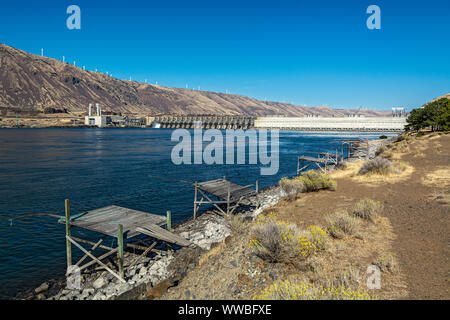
[{"x": 305, "y": 52}]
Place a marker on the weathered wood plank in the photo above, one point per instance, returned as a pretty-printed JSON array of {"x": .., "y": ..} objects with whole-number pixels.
[
  {"x": 162, "y": 234},
  {"x": 106, "y": 220}
]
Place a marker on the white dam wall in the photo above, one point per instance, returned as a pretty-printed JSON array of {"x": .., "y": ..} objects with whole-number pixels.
[{"x": 364, "y": 124}]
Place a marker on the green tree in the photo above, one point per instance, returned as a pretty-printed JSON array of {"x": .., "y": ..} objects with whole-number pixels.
[
  {"x": 435, "y": 115},
  {"x": 444, "y": 117}
]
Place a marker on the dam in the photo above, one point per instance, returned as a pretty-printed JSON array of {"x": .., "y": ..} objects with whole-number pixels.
[
  {"x": 341, "y": 124},
  {"x": 206, "y": 122},
  {"x": 307, "y": 123}
]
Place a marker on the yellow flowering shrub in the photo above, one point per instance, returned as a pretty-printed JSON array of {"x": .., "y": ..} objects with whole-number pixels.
[{"x": 277, "y": 240}]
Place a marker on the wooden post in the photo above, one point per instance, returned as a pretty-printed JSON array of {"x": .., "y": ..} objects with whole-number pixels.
[
  {"x": 120, "y": 252},
  {"x": 257, "y": 191},
  {"x": 368, "y": 155},
  {"x": 298, "y": 165},
  {"x": 195, "y": 201},
  {"x": 228, "y": 200},
  {"x": 169, "y": 221},
  {"x": 68, "y": 243}
]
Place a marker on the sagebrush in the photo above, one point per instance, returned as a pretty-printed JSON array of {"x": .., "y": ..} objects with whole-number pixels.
[
  {"x": 342, "y": 223},
  {"x": 315, "y": 181},
  {"x": 377, "y": 166},
  {"x": 277, "y": 241},
  {"x": 367, "y": 209}
]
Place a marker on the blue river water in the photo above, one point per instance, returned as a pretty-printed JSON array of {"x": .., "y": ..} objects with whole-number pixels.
[{"x": 94, "y": 168}]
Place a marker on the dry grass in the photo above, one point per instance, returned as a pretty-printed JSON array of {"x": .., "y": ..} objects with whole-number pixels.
[
  {"x": 438, "y": 178},
  {"x": 303, "y": 290},
  {"x": 310, "y": 181},
  {"x": 211, "y": 254},
  {"x": 378, "y": 166},
  {"x": 368, "y": 209},
  {"x": 341, "y": 224},
  {"x": 387, "y": 263},
  {"x": 403, "y": 172}
]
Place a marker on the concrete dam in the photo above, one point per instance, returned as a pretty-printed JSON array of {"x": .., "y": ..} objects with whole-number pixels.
[
  {"x": 206, "y": 122},
  {"x": 323, "y": 124}
]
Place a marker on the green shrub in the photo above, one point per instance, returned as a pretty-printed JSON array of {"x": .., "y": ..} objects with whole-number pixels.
[
  {"x": 377, "y": 166},
  {"x": 368, "y": 209},
  {"x": 383, "y": 137},
  {"x": 315, "y": 181},
  {"x": 341, "y": 223}
]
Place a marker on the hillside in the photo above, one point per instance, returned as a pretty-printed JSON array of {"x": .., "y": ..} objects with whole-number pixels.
[
  {"x": 445, "y": 96},
  {"x": 28, "y": 80}
]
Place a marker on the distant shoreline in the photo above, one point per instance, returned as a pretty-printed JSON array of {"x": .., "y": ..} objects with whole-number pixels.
[{"x": 167, "y": 129}]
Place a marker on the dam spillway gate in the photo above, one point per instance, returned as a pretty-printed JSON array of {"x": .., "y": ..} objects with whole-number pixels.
[{"x": 206, "y": 122}]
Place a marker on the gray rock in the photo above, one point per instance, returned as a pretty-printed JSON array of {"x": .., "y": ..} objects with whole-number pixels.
[
  {"x": 143, "y": 271},
  {"x": 132, "y": 272},
  {"x": 123, "y": 287},
  {"x": 99, "y": 296},
  {"x": 100, "y": 283},
  {"x": 41, "y": 296},
  {"x": 88, "y": 292},
  {"x": 42, "y": 288}
]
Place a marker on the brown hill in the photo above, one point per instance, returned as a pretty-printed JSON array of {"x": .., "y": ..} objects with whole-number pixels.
[
  {"x": 28, "y": 80},
  {"x": 445, "y": 96}
]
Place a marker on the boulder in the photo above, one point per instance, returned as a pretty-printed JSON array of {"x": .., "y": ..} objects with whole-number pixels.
[
  {"x": 143, "y": 271},
  {"x": 42, "y": 288},
  {"x": 99, "y": 296},
  {"x": 100, "y": 283}
]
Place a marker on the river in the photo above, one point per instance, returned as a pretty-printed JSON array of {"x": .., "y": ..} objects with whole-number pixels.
[{"x": 94, "y": 168}]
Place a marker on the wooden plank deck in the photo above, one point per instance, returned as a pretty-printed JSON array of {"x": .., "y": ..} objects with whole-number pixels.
[
  {"x": 317, "y": 160},
  {"x": 219, "y": 188},
  {"x": 106, "y": 221}
]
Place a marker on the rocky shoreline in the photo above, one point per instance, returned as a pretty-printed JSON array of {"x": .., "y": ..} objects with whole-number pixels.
[{"x": 152, "y": 277}]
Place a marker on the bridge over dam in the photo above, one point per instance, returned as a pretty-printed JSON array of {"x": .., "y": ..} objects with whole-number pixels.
[{"x": 308, "y": 123}]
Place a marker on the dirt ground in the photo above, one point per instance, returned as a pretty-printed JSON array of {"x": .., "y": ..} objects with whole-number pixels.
[
  {"x": 417, "y": 208},
  {"x": 416, "y": 231}
]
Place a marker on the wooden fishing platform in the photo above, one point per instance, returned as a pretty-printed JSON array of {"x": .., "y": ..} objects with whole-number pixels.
[
  {"x": 324, "y": 158},
  {"x": 121, "y": 224},
  {"x": 225, "y": 191},
  {"x": 107, "y": 219}
]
